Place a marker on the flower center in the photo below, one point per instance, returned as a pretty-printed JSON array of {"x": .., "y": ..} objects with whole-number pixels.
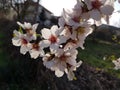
[
  {"x": 76, "y": 19},
  {"x": 53, "y": 39},
  {"x": 24, "y": 41},
  {"x": 35, "y": 46},
  {"x": 63, "y": 57},
  {"x": 96, "y": 4},
  {"x": 30, "y": 32}
]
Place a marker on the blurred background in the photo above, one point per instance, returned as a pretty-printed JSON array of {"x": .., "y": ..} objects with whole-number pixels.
[{"x": 20, "y": 72}]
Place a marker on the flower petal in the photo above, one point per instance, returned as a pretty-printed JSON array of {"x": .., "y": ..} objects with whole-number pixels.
[
  {"x": 71, "y": 61},
  {"x": 16, "y": 41},
  {"x": 27, "y": 25},
  {"x": 34, "y": 54},
  {"x": 70, "y": 75},
  {"x": 61, "y": 22},
  {"x": 59, "y": 73},
  {"x": 95, "y": 14},
  {"x": 54, "y": 30},
  {"x": 17, "y": 34},
  {"x": 44, "y": 43},
  {"x": 107, "y": 9},
  {"x": 49, "y": 64},
  {"x": 45, "y": 33},
  {"x": 62, "y": 39},
  {"x": 20, "y": 24},
  {"x": 23, "y": 49},
  {"x": 88, "y": 3},
  {"x": 34, "y": 27}
]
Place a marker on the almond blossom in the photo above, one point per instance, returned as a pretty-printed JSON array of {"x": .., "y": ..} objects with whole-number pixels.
[
  {"x": 61, "y": 61},
  {"x": 22, "y": 40},
  {"x": 30, "y": 29},
  {"x": 58, "y": 45},
  {"x": 36, "y": 50},
  {"x": 97, "y": 8},
  {"x": 81, "y": 33},
  {"x": 69, "y": 19},
  {"x": 70, "y": 69},
  {"x": 52, "y": 37},
  {"x": 77, "y": 36}
]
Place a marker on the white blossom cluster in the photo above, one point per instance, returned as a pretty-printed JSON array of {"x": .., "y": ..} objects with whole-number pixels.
[{"x": 58, "y": 45}]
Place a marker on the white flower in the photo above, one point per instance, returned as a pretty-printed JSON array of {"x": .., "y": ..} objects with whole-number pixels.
[
  {"x": 69, "y": 18},
  {"x": 30, "y": 29},
  {"x": 52, "y": 37},
  {"x": 59, "y": 61},
  {"x": 71, "y": 44},
  {"x": 70, "y": 69},
  {"x": 48, "y": 60},
  {"x": 81, "y": 33},
  {"x": 36, "y": 50},
  {"x": 97, "y": 8},
  {"x": 116, "y": 63},
  {"x": 21, "y": 40}
]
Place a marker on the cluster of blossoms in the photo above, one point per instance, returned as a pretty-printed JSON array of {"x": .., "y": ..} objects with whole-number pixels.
[{"x": 58, "y": 45}]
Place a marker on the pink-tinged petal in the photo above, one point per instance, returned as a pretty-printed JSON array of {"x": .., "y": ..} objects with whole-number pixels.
[
  {"x": 70, "y": 45},
  {"x": 61, "y": 65},
  {"x": 64, "y": 13},
  {"x": 29, "y": 46},
  {"x": 104, "y": 1},
  {"x": 88, "y": 31},
  {"x": 70, "y": 75},
  {"x": 49, "y": 64},
  {"x": 61, "y": 39},
  {"x": 61, "y": 22},
  {"x": 46, "y": 33},
  {"x": 54, "y": 47},
  {"x": 42, "y": 53},
  {"x": 85, "y": 16},
  {"x": 34, "y": 27},
  {"x": 20, "y": 24},
  {"x": 54, "y": 30},
  {"x": 73, "y": 52},
  {"x": 71, "y": 61},
  {"x": 33, "y": 37},
  {"x": 16, "y": 41},
  {"x": 44, "y": 43},
  {"x": 34, "y": 54},
  {"x": 78, "y": 5},
  {"x": 107, "y": 9},
  {"x": 23, "y": 50},
  {"x": 67, "y": 18},
  {"x": 59, "y": 73},
  {"x": 79, "y": 64},
  {"x": 95, "y": 14},
  {"x": 66, "y": 32},
  {"x": 16, "y": 33},
  {"x": 71, "y": 22},
  {"x": 59, "y": 52},
  {"x": 88, "y": 3},
  {"x": 27, "y": 25},
  {"x": 108, "y": 2}
]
